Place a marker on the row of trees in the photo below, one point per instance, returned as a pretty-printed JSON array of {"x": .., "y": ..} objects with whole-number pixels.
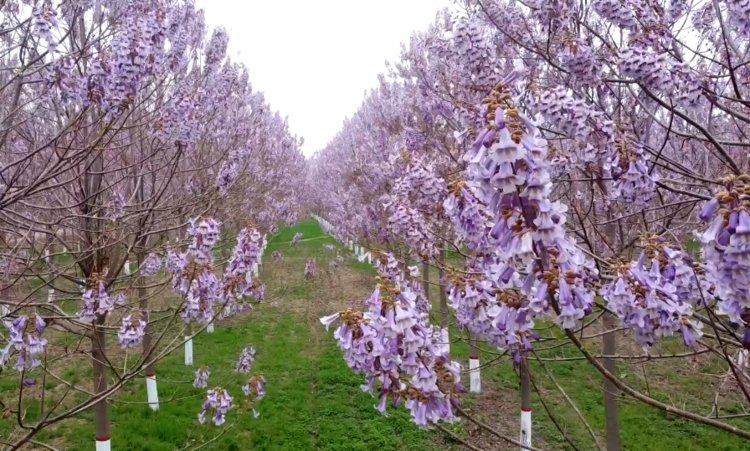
[
  {"x": 588, "y": 162},
  {"x": 124, "y": 124}
]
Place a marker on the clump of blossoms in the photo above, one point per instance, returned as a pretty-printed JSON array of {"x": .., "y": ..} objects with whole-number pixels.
[
  {"x": 393, "y": 345},
  {"x": 192, "y": 272},
  {"x": 219, "y": 402},
  {"x": 131, "y": 332},
  {"x": 501, "y": 317},
  {"x": 655, "y": 296},
  {"x": 201, "y": 377},
  {"x": 470, "y": 217},
  {"x": 528, "y": 266},
  {"x": 26, "y": 340},
  {"x": 412, "y": 200},
  {"x": 310, "y": 269},
  {"x": 205, "y": 235},
  {"x": 277, "y": 256},
  {"x": 96, "y": 300},
  {"x": 579, "y": 58},
  {"x": 245, "y": 362},
  {"x": 255, "y": 390},
  {"x": 726, "y": 248},
  {"x": 633, "y": 180},
  {"x": 296, "y": 239},
  {"x": 238, "y": 281},
  {"x": 151, "y": 265}
]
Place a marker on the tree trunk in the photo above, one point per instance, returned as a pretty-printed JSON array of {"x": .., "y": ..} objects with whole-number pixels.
[
  {"x": 611, "y": 409},
  {"x": 101, "y": 408},
  {"x": 525, "y": 437}
]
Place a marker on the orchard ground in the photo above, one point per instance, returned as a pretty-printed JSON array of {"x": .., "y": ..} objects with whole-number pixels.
[{"x": 314, "y": 401}]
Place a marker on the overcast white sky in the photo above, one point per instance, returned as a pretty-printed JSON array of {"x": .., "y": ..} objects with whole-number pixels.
[{"x": 314, "y": 59}]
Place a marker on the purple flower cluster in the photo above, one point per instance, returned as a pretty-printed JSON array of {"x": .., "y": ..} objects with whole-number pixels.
[
  {"x": 634, "y": 183},
  {"x": 296, "y": 238},
  {"x": 247, "y": 253},
  {"x": 255, "y": 390},
  {"x": 131, "y": 332},
  {"x": 151, "y": 265},
  {"x": 29, "y": 344},
  {"x": 654, "y": 296},
  {"x": 470, "y": 218},
  {"x": 726, "y": 247},
  {"x": 192, "y": 272},
  {"x": 204, "y": 293},
  {"x": 238, "y": 281},
  {"x": 228, "y": 173},
  {"x": 97, "y": 302},
  {"x": 205, "y": 235},
  {"x": 393, "y": 345},
  {"x": 579, "y": 58},
  {"x": 528, "y": 265},
  {"x": 245, "y": 362},
  {"x": 219, "y": 402},
  {"x": 620, "y": 13},
  {"x": 310, "y": 268},
  {"x": 739, "y": 15},
  {"x": 201, "y": 377},
  {"x": 44, "y": 21}
]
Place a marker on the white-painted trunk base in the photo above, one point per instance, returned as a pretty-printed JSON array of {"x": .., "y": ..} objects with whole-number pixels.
[
  {"x": 104, "y": 445},
  {"x": 525, "y": 438},
  {"x": 445, "y": 340},
  {"x": 256, "y": 272},
  {"x": 188, "y": 351},
  {"x": 210, "y": 328},
  {"x": 50, "y": 295},
  {"x": 475, "y": 378},
  {"x": 152, "y": 392},
  {"x": 741, "y": 358},
  {"x": 127, "y": 268}
]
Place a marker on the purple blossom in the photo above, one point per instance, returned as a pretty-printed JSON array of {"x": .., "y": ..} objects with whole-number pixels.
[
  {"x": 238, "y": 281},
  {"x": 97, "y": 302},
  {"x": 245, "y": 362},
  {"x": 27, "y": 344},
  {"x": 726, "y": 248},
  {"x": 645, "y": 297},
  {"x": 393, "y": 345},
  {"x": 131, "y": 332},
  {"x": 151, "y": 265},
  {"x": 201, "y": 298},
  {"x": 205, "y": 235},
  {"x": 219, "y": 402},
  {"x": 201, "y": 377},
  {"x": 296, "y": 239}
]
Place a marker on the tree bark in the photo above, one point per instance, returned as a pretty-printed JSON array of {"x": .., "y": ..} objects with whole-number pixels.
[
  {"x": 101, "y": 408},
  {"x": 611, "y": 410}
]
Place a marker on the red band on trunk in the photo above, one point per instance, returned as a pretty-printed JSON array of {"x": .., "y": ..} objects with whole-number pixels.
[
  {"x": 104, "y": 439},
  {"x": 474, "y": 357},
  {"x": 525, "y": 409}
]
